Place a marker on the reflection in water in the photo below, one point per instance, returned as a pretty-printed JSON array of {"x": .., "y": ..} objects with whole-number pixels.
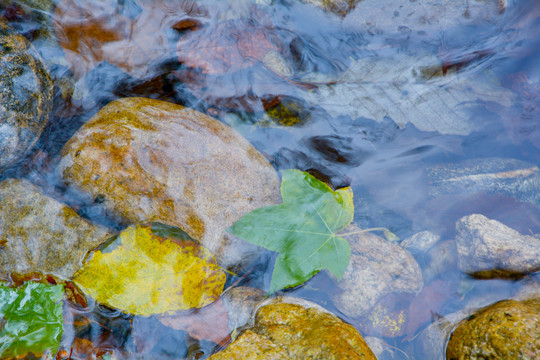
[{"x": 393, "y": 100}]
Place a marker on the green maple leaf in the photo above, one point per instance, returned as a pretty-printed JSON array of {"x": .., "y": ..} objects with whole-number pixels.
[
  {"x": 30, "y": 319},
  {"x": 303, "y": 229}
]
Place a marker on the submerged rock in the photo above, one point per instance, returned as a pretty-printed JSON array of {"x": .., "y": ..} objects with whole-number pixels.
[
  {"x": 377, "y": 269},
  {"x": 300, "y": 330},
  {"x": 149, "y": 160},
  {"x": 39, "y": 234},
  {"x": 506, "y": 330},
  {"x": 486, "y": 249},
  {"x": 494, "y": 176},
  {"x": 339, "y": 7},
  {"x": 25, "y": 96},
  {"x": 441, "y": 259},
  {"x": 431, "y": 342},
  {"x": 240, "y": 303},
  {"x": 420, "y": 242}
]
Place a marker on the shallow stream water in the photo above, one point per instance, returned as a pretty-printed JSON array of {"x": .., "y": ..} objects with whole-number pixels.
[{"x": 374, "y": 100}]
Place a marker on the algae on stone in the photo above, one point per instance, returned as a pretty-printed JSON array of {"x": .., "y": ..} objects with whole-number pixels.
[
  {"x": 507, "y": 330},
  {"x": 299, "y": 329},
  {"x": 251, "y": 346}
]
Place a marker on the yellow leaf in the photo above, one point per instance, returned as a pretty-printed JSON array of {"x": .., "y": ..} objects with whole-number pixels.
[{"x": 146, "y": 274}]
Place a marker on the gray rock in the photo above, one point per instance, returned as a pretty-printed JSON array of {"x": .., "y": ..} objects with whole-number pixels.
[
  {"x": 377, "y": 268},
  {"x": 420, "y": 242},
  {"x": 37, "y": 233},
  {"x": 25, "y": 96},
  {"x": 487, "y": 248}
]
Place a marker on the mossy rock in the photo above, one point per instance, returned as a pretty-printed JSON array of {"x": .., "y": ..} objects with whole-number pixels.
[
  {"x": 506, "y": 330},
  {"x": 25, "y": 96},
  {"x": 297, "y": 329}
]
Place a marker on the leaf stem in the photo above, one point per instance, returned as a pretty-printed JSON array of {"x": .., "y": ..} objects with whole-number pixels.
[{"x": 387, "y": 233}]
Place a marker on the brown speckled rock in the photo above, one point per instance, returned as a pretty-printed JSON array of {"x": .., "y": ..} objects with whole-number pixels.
[
  {"x": 506, "y": 330},
  {"x": 37, "y": 233},
  {"x": 150, "y": 160},
  {"x": 251, "y": 346},
  {"x": 302, "y": 330},
  {"x": 309, "y": 333},
  {"x": 25, "y": 96}
]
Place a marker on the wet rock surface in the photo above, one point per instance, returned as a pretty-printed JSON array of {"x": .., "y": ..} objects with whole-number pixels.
[
  {"x": 377, "y": 268},
  {"x": 440, "y": 259},
  {"x": 240, "y": 303},
  {"x": 487, "y": 249},
  {"x": 149, "y": 160},
  {"x": 508, "y": 329},
  {"x": 250, "y": 345},
  {"x": 37, "y": 233},
  {"x": 302, "y": 332},
  {"x": 420, "y": 242},
  {"x": 431, "y": 343},
  {"x": 25, "y": 96}
]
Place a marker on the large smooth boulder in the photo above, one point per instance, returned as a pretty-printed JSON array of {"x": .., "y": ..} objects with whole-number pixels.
[
  {"x": 150, "y": 160},
  {"x": 300, "y": 330},
  {"x": 377, "y": 269},
  {"x": 506, "y": 330},
  {"x": 25, "y": 96},
  {"x": 487, "y": 248},
  {"x": 40, "y": 234}
]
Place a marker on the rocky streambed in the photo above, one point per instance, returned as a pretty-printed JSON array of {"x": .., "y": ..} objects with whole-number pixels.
[{"x": 92, "y": 143}]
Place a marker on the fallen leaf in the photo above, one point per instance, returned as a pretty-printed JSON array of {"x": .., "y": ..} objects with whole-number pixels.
[
  {"x": 226, "y": 47},
  {"x": 30, "y": 319},
  {"x": 131, "y": 35},
  {"x": 208, "y": 323},
  {"x": 406, "y": 91},
  {"x": 143, "y": 273},
  {"x": 72, "y": 293},
  {"x": 84, "y": 349},
  {"x": 303, "y": 229}
]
